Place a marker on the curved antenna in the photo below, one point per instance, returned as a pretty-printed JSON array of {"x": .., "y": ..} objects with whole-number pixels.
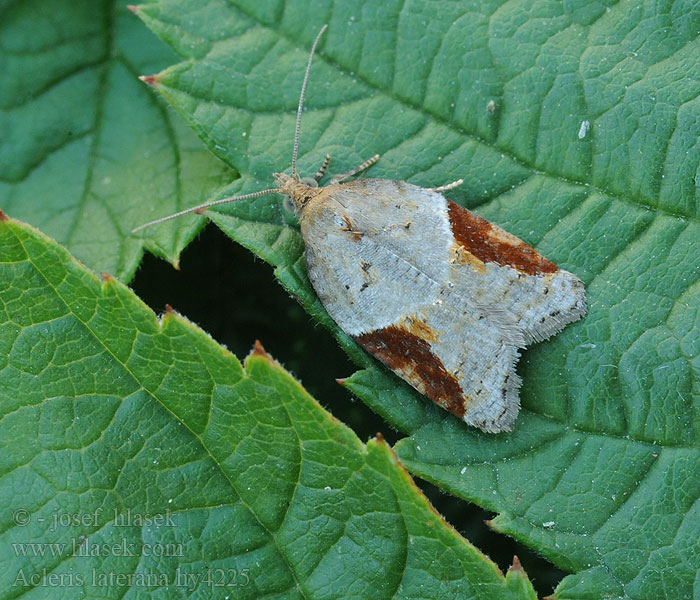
[
  {"x": 206, "y": 205},
  {"x": 295, "y": 152}
]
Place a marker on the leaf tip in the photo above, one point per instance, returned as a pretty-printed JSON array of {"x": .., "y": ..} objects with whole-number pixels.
[
  {"x": 517, "y": 579},
  {"x": 151, "y": 80},
  {"x": 516, "y": 566},
  {"x": 341, "y": 381},
  {"x": 258, "y": 350},
  {"x": 133, "y": 8},
  {"x": 380, "y": 441},
  {"x": 169, "y": 310},
  {"x": 3, "y": 216}
]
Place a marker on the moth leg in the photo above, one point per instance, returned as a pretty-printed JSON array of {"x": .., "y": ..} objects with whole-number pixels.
[
  {"x": 322, "y": 170},
  {"x": 365, "y": 165},
  {"x": 448, "y": 186},
  {"x": 313, "y": 181}
]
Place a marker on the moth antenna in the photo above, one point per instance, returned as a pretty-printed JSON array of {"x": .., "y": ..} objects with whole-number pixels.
[
  {"x": 295, "y": 152},
  {"x": 207, "y": 205}
]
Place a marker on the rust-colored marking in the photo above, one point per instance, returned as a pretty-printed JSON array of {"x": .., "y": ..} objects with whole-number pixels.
[
  {"x": 516, "y": 566},
  {"x": 169, "y": 309},
  {"x": 489, "y": 243},
  {"x": 106, "y": 277},
  {"x": 258, "y": 350},
  {"x": 151, "y": 80},
  {"x": 3, "y": 216},
  {"x": 412, "y": 357},
  {"x": 356, "y": 235}
]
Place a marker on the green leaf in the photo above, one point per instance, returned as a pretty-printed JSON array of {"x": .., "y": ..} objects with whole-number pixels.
[
  {"x": 591, "y": 154},
  {"x": 86, "y": 151},
  {"x": 517, "y": 581},
  {"x": 110, "y": 416}
]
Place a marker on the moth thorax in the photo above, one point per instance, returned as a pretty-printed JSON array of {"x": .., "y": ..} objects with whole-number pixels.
[{"x": 298, "y": 191}]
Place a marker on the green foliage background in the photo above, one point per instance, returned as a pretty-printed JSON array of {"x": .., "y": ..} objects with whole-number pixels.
[{"x": 591, "y": 155}]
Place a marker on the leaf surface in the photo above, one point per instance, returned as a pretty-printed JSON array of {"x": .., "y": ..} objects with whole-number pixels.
[
  {"x": 86, "y": 151},
  {"x": 574, "y": 126},
  {"x": 110, "y": 416}
]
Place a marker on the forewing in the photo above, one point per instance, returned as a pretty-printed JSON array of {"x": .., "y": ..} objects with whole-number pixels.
[
  {"x": 540, "y": 297},
  {"x": 442, "y": 297},
  {"x": 463, "y": 361}
]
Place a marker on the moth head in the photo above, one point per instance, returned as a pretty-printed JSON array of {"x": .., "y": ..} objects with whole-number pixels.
[
  {"x": 285, "y": 183},
  {"x": 297, "y": 191}
]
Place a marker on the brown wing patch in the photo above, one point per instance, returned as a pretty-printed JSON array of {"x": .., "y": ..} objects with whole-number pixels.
[
  {"x": 412, "y": 358},
  {"x": 490, "y": 243}
]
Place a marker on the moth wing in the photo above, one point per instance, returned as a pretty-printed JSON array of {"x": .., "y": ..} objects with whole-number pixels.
[
  {"x": 393, "y": 292},
  {"x": 463, "y": 358},
  {"x": 484, "y": 263},
  {"x": 495, "y": 268},
  {"x": 441, "y": 296}
]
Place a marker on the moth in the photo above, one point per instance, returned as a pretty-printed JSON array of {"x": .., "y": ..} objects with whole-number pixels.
[{"x": 441, "y": 296}]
